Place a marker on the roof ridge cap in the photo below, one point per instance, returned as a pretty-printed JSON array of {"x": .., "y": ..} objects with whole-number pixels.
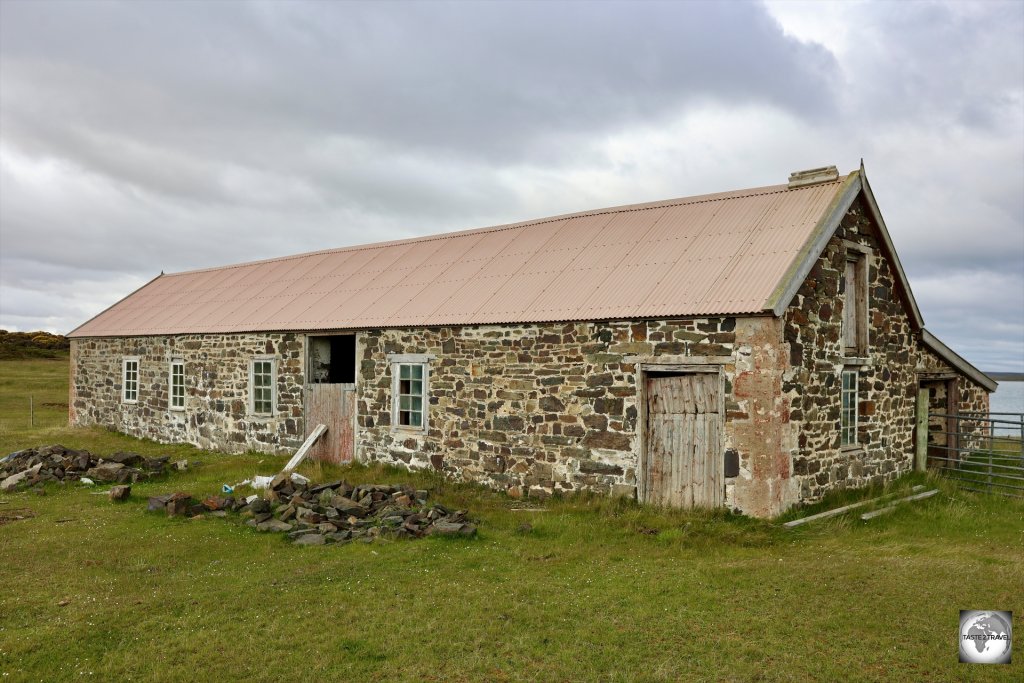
[{"x": 625, "y": 208}]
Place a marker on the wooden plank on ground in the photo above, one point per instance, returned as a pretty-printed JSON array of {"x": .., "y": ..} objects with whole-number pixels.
[
  {"x": 841, "y": 510},
  {"x": 304, "y": 448},
  {"x": 892, "y": 506}
]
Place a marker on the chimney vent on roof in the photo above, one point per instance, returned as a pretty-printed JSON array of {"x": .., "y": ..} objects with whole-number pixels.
[{"x": 813, "y": 176}]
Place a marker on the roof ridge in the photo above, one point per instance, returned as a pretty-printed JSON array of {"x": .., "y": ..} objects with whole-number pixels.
[{"x": 625, "y": 208}]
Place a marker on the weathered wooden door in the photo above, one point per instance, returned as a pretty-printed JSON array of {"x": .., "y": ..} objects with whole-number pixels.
[
  {"x": 333, "y": 405},
  {"x": 683, "y": 464}
]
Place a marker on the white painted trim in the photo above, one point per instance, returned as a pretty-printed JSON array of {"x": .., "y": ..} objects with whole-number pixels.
[
  {"x": 170, "y": 384},
  {"x": 856, "y": 409},
  {"x": 124, "y": 378},
  {"x": 410, "y": 358},
  {"x": 422, "y": 359},
  {"x": 252, "y": 385}
]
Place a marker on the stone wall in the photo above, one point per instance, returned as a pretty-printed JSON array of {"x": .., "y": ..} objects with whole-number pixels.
[
  {"x": 887, "y": 386},
  {"x": 216, "y": 413},
  {"x": 531, "y": 409},
  {"x": 971, "y": 398}
]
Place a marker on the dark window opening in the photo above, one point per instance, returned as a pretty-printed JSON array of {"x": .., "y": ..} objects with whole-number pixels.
[{"x": 332, "y": 360}]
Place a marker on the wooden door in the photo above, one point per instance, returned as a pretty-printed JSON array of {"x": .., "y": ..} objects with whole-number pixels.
[
  {"x": 333, "y": 405},
  {"x": 683, "y": 467}
]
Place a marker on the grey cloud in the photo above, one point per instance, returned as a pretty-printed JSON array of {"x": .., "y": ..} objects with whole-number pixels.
[
  {"x": 959, "y": 64},
  {"x": 479, "y": 78},
  {"x": 143, "y": 136}
]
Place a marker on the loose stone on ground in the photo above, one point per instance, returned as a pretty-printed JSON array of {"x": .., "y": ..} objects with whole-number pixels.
[
  {"x": 334, "y": 512},
  {"x": 34, "y": 467}
]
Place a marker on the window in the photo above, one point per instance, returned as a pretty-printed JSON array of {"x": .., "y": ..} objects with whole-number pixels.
[
  {"x": 410, "y": 395},
  {"x": 261, "y": 386},
  {"x": 848, "y": 416},
  {"x": 130, "y": 385},
  {"x": 855, "y": 306},
  {"x": 410, "y": 376},
  {"x": 177, "y": 385}
]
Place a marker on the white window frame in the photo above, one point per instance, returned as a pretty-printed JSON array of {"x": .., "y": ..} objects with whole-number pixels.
[
  {"x": 849, "y": 415},
  {"x": 397, "y": 360},
  {"x": 124, "y": 378},
  {"x": 252, "y": 385},
  {"x": 170, "y": 384}
]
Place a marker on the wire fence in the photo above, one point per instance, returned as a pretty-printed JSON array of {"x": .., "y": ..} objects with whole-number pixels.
[{"x": 984, "y": 452}]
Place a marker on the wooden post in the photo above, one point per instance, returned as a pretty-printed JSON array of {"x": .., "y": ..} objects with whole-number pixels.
[
  {"x": 31, "y": 411},
  {"x": 921, "y": 442}
]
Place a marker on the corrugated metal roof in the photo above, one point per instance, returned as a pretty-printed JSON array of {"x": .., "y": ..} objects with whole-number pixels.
[{"x": 712, "y": 254}]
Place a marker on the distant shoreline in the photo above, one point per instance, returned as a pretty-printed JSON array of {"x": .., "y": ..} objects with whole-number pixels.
[{"x": 1006, "y": 376}]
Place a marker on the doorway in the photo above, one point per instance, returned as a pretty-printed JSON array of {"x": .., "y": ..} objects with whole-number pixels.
[
  {"x": 943, "y": 440},
  {"x": 682, "y": 452},
  {"x": 330, "y": 396}
]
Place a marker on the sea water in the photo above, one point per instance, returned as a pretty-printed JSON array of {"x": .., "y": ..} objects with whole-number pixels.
[{"x": 1008, "y": 398}]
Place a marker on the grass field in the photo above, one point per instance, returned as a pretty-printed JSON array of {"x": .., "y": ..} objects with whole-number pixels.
[{"x": 595, "y": 590}]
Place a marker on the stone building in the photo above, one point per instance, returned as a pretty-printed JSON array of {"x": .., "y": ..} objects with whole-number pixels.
[{"x": 750, "y": 349}]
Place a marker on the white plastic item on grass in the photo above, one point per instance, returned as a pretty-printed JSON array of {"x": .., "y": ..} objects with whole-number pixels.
[
  {"x": 260, "y": 482},
  {"x": 87, "y": 481}
]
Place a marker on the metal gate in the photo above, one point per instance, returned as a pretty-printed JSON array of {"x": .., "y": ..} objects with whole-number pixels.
[{"x": 984, "y": 452}]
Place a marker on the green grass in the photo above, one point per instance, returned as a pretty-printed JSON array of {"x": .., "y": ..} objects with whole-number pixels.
[{"x": 596, "y": 590}]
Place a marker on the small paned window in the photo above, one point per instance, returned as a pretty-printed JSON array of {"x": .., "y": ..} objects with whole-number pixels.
[
  {"x": 262, "y": 387},
  {"x": 130, "y": 390},
  {"x": 849, "y": 411},
  {"x": 177, "y": 385},
  {"x": 411, "y": 394}
]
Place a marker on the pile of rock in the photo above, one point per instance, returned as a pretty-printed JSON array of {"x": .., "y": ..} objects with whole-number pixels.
[
  {"x": 56, "y": 463},
  {"x": 184, "y": 505},
  {"x": 335, "y": 512}
]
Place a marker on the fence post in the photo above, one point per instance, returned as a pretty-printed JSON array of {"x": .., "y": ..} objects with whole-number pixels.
[
  {"x": 31, "y": 411},
  {"x": 921, "y": 442},
  {"x": 991, "y": 450}
]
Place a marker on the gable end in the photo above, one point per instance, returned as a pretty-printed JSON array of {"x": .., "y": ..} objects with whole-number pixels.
[{"x": 855, "y": 185}]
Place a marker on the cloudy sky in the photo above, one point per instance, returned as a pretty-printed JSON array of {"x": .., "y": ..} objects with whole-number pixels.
[{"x": 137, "y": 137}]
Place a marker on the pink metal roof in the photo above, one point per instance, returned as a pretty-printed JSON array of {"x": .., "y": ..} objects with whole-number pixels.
[{"x": 712, "y": 254}]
